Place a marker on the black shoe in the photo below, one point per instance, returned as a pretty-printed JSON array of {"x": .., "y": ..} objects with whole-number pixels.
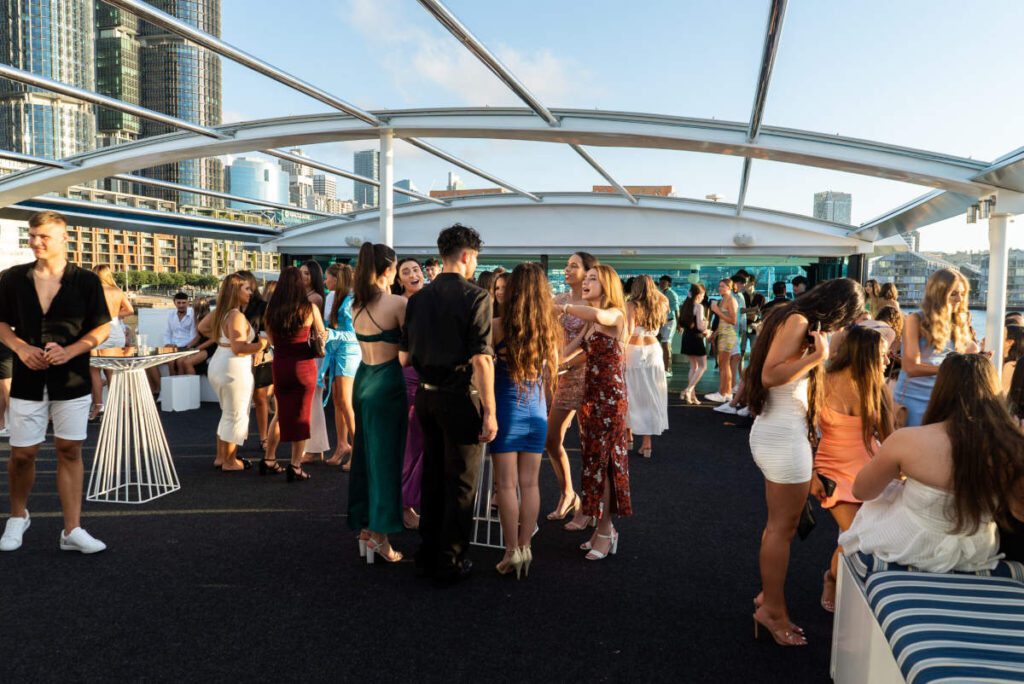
[
  {"x": 296, "y": 474},
  {"x": 270, "y": 467}
]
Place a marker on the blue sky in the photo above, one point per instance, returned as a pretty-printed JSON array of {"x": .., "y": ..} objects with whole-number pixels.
[{"x": 937, "y": 75}]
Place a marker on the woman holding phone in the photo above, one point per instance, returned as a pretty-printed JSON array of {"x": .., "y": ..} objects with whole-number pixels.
[
  {"x": 783, "y": 388},
  {"x": 856, "y": 416}
]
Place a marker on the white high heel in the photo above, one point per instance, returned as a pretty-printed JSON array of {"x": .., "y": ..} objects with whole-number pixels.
[
  {"x": 593, "y": 554},
  {"x": 373, "y": 548}
]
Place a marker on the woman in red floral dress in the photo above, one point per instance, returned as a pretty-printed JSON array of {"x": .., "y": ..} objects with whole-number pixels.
[{"x": 603, "y": 433}]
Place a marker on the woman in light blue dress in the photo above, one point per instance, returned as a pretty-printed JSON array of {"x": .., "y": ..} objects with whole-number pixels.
[
  {"x": 338, "y": 366},
  {"x": 929, "y": 336}
]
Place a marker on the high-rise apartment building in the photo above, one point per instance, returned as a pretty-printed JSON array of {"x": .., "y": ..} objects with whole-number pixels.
[
  {"x": 117, "y": 72},
  {"x": 366, "y": 163},
  {"x": 258, "y": 179},
  {"x": 182, "y": 80},
  {"x": 325, "y": 185},
  {"x": 55, "y": 39},
  {"x": 833, "y": 206},
  {"x": 300, "y": 182}
]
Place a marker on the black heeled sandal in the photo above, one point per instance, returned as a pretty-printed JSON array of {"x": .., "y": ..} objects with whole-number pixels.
[
  {"x": 271, "y": 467},
  {"x": 296, "y": 473}
]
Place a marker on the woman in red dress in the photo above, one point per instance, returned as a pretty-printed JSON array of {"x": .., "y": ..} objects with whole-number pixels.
[
  {"x": 603, "y": 434},
  {"x": 290, "y": 320}
]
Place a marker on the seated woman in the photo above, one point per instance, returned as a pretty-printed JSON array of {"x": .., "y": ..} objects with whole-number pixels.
[{"x": 964, "y": 472}]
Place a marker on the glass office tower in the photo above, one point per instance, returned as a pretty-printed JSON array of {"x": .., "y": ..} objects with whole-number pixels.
[{"x": 55, "y": 39}]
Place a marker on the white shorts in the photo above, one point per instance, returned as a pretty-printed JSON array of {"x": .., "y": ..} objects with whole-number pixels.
[{"x": 28, "y": 419}]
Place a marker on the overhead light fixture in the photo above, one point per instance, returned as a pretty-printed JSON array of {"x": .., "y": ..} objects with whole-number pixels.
[
  {"x": 743, "y": 239},
  {"x": 354, "y": 241},
  {"x": 987, "y": 206},
  {"x": 972, "y": 213}
]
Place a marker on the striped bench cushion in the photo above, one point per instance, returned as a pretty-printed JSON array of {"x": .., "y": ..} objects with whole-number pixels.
[
  {"x": 864, "y": 564},
  {"x": 951, "y": 627}
]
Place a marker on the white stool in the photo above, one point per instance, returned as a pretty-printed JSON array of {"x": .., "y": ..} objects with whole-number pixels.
[{"x": 179, "y": 392}]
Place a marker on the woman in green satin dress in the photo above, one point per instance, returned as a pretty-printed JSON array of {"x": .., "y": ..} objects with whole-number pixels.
[{"x": 379, "y": 400}]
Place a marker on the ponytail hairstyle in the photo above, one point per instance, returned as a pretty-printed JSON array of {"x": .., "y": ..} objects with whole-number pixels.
[
  {"x": 832, "y": 304},
  {"x": 343, "y": 285},
  {"x": 861, "y": 355},
  {"x": 374, "y": 261}
]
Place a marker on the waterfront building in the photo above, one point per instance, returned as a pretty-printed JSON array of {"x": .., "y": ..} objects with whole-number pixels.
[
  {"x": 465, "y": 192},
  {"x": 300, "y": 182},
  {"x": 833, "y": 206},
  {"x": 256, "y": 178},
  {"x": 652, "y": 190},
  {"x": 909, "y": 271},
  {"x": 405, "y": 184},
  {"x": 55, "y": 39},
  {"x": 333, "y": 205},
  {"x": 183, "y": 80},
  {"x": 218, "y": 258},
  {"x": 117, "y": 73},
  {"x": 977, "y": 262},
  {"x": 366, "y": 163}
]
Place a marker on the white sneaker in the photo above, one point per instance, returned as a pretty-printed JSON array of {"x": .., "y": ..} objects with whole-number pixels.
[
  {"x": 745, "y": 412},
  {"x": 14, "y": 531},
  {"x": 80, "y": 540},
  {"x": 718, "y": 398},
  {"x": 726, "y": 408}
]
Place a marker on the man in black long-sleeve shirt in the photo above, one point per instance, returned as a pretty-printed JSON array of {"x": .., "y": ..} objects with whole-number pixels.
[{"x": 448, "y": 337}]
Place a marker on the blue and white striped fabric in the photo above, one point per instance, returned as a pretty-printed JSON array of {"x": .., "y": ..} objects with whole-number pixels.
[
  {"x": 864, "y": 564},
  {"x": 951, "y": 627}
]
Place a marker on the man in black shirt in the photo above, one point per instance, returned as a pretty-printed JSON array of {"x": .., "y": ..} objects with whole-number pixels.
[
  {"x": 52, "y": 314},
  {"x": 447, "y": 335},
  {"x": 779, "y": 294}
]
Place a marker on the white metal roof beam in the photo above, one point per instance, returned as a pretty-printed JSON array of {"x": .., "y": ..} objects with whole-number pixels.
[
  {"x": 154, "y": 16},
  {"x": 327, "y": 168},
  {"x": 39, "y": 161},
  {"x": 772, "y": 33},
  {"x": 221, "y": 195},
  {"x": 491, "y": 61},
  {"x": 38, "y": 81}
]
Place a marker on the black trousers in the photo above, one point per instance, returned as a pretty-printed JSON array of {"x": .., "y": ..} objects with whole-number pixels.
[{"x": 452, "y": 455}]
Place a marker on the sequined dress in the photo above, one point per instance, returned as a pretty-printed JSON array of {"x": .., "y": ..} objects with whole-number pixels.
[
  {"x": 603, "y": 433},
  {"x": 569, "y": 391}
]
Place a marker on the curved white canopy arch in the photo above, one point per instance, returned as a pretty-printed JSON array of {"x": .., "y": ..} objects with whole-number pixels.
[{"x": 577, "y": 127}]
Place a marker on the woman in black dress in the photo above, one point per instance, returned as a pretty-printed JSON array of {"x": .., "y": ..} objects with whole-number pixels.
[{"x": 695, "y": 331}]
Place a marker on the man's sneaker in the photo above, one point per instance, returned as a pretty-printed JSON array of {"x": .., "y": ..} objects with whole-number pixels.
[
  {"x": 13, "y": 532},
  {"x": 726, "y": 408},
  {"x": 80, "y": 540},
  {"x": 745, "y": 412},
  {"x": 718, "y": 398}
]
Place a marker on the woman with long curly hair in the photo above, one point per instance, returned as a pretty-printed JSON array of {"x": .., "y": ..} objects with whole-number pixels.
[
  {"x": 856, "y": 416},
  {"x": 646, "y": 313},
  {"x": 604, "y": 435},
  {"x": 568, "y": 394},
  {"x": 341, "y": 359},
  {"x": 290, "y": 320},
  {"x": 940, "y": 327},
  {"x": 230, "y": 369},
  {"x": 933, "y": 494},
  {"x": 783, "y": 389},
  {"x": 526, "y": 342}
]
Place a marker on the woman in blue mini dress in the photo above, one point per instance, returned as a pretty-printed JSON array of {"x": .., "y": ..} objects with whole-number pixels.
[
  {"x": 526, "y": 340},
  {"x": 341, "y": 361}
]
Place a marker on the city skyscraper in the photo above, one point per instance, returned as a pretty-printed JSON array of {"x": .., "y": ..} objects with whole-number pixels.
[
  {"x": 184, "y": 81},
  {"x": 833, "y": 206},
  {"x": 117, "y": 72},
  {"x": 325, "y": 185},
  {"x": 258, "y": 179},
  {"x": 300, "y": 182},
  {"x": 366, "y": 163},
  {"x": 405, "y": 184},
  {"x": 55, "y": 39}
]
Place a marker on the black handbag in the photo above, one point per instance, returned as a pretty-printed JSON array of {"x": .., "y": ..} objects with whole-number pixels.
[{"x": 316, "y": 343}]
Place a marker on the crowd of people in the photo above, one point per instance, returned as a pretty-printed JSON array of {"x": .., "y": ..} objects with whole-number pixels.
[{"x": 897, "y": 424}]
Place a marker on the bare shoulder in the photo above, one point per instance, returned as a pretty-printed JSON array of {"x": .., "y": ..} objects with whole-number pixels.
[{"x": 923, "y": 442}]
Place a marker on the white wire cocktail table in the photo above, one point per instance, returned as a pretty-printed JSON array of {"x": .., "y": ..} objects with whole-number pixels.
[{"x": 133, "y": 462}]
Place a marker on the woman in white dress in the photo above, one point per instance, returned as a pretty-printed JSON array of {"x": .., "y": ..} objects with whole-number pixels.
[
  {"x": 783, "y": 388},
  {"x": 119, "y": 307},
  {"x": 964, "y": 469},
  {"x": 646, "y": 384},
  {"x": 230, "y": 369}
]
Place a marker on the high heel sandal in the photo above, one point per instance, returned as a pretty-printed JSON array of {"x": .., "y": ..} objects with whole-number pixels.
[
  {"x": 296, "y": 473},
  {"x": 95, "y": 412},
  {"x": 271, "y": 467},
  {"x": 527, "y": 554},
  {"x": 830, "y": 581},
  {"x": 574, "y": 526},
  {"x": 796, "y": 628},
  {"x": 783, "y": 637},
  {"x": 375, "y": 548},
  {"x": 594, "y": 555},
  {"x": 559, "y": 514},
  {"x": 340, "y": 459},
  {"x": 363, "y": 539},
  {"x": 646, "y": 453},
  {"x": 514, "y": 562}
]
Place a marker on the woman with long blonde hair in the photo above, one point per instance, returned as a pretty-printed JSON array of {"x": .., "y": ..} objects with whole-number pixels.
[
  {"x": 856, "y": 416},
  {"x": 341, "y": 361},
  {"x": 646, "y": 313},
  {"x": 526, "y": 342},
  {"x": 940, "y": 327},
  {"x": 119, "y": 307},
  {"x": 604, "y": 435},
  {"x": 230, "y": 369}
]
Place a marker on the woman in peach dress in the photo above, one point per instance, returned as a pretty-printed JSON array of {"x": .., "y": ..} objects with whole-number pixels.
[{"x": 856, "y": 415}]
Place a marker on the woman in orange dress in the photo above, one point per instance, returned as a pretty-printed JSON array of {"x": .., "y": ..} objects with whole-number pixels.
[{"x": 856, "y": 415}]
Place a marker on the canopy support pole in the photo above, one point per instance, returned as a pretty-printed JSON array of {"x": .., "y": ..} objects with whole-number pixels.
[
  {"x": 387, "y": 182},
  {"x": 995, "y": 311}
]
